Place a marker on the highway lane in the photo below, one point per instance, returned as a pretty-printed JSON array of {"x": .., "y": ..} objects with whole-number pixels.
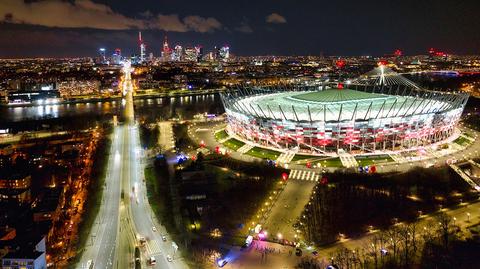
[
  {"x": 102, "y": 238},
  {"x": 142, "y": 214}
]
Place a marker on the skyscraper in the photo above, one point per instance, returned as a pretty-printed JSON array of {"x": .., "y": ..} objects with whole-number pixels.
[
  {"x": 224, "y": 53},
  {"x": 166, "y": 50},
  {"x": 178, "y": 53},
  {"x": 102, "y": 58},
  {"x": 117, "y": 56},
  {"x": 142, "y": 47}
]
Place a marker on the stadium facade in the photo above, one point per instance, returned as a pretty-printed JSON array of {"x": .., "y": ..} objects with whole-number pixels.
[{"x": 384, "y": 113}]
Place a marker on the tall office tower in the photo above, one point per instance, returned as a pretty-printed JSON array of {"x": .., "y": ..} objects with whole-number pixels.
[
  {"x": 102, "y": 58},
  {"x": 224, "y": 53},
  {"x": 199, "y": 52},
  {"x": 166, "y": 50},
  {"x": 142, "y": 47},
  {"x": 117, "y": 57},
  {"x": 178, "y": 53},
  {"x": 190, "y": 54}
]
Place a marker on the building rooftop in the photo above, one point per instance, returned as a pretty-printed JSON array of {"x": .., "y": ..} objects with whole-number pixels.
[{"x": 23, "y": 254}]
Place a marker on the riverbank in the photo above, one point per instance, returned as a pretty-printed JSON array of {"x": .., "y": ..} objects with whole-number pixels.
[{"x": 182, "y": 93}]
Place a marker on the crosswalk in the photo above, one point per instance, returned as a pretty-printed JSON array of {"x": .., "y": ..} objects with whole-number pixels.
[
  {"x": 286, "y": 157},
  {"x": 245, "y": 148},
  {"x": 304, "y": 175},
  {"x": 398, "y": 157},
  {"x": 153, "y": 247},
  {"x": 348, "y": 160}
]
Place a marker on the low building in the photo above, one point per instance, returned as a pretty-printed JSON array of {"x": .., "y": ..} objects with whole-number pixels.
[
  {"x": 15, "y": 187},
  {"x": 49, "y": 207},
  {"x": 28, "y": 255}
]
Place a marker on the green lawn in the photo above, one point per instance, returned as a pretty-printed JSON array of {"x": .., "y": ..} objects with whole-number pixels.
[
  {"x": 300, "y": 157},
  {"x": 221, "y": 135},
  {"x": 331, "y": 162},
  {"x": 372, "y": 160},
  {"x": 462, "y": 141},
  {"x": 263, "y": 153},
  {"x": 233, "y": 144}
]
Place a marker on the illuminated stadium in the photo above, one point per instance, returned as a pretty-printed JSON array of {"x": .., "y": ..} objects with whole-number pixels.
[{"x": 381, "y": 111}]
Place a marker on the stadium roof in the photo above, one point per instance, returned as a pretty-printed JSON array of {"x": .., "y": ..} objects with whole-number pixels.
[
  {"x": 336, "y": 95},
  {"x": 332, "y": 105}
]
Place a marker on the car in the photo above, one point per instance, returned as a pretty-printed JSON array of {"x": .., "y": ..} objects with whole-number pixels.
[
  {"x": 298, "y": 252},
  {"x": 169, "y": 258},
  {"x": 315, "y": 253},
  {"x": 152, "y": 260},
  {"x": 164, "y": 238},
  {"x": 154, "y": 229},
  {"x": 221, "y": 262}
]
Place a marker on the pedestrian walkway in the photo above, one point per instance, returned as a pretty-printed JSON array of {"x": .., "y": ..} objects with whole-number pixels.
[
  {"x": 153, "y": 247},
  {"x": 245, "y": 148},
  {"x": 465, "y": 177},
  {"x": 471, "y": 139},
  {"x": 286, "y": 157},
  {"x": 221, "y": 141},
  {"x": 304, "y": 175},
  {"x": 398, "y": 158},
  {"x": 347, "y": 159}
]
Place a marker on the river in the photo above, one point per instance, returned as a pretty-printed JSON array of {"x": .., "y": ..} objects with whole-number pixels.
[{"x": 76, "y": 114}]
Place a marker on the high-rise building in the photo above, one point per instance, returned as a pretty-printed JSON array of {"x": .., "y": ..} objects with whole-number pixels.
[
  {"x": 191, "y": 54},
  {"x": 117, "y": 56},
  {"x": 102, "y": 58},
  {"x": 199, "y": 50},
  {"x": 224, "y": 53},
  {"x": 166, "y": 50},
  {"x": 178, "y": 53},
  {"x": 142, "y": 47}
]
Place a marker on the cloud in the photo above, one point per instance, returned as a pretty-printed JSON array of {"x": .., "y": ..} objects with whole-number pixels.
[
  {"x": 244, "y": 27},
  {"x": 275, "y": 18},
  {"x": 87, "y": 14},
  {"x": 167, "y": 23},
  {"x": 202, "y": 25}
]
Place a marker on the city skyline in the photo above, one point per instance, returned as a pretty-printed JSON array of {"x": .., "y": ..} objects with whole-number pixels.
[{"x": 80, "y": 27}]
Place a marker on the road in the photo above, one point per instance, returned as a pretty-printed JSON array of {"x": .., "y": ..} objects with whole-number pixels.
[
  {"x": 464, "y": 216},
  {"x": 287, "y": 208},
  {"x": 100, "y": 247},
  {"x": 138, "y": 216},
  {"x": 142, "y": 215},
  {"x": 121, "y": 221}
]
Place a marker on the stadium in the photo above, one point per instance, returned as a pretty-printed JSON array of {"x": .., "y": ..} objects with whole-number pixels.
[{"x": 378, "y": 112}]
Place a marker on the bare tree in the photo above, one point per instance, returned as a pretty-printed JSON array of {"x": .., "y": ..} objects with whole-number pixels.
[{"x": 445, "y": 229}]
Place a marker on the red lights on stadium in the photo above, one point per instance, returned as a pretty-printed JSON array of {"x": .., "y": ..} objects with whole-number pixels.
[
  {"x": 398, "y": 53},
  {"x": 340, "y": 64},
  {"x": 382, "y": 63},
  {"x": 434, "y": 52}
]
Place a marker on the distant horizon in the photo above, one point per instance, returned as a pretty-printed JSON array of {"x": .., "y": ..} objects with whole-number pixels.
[{"x": 77, "y": 28}]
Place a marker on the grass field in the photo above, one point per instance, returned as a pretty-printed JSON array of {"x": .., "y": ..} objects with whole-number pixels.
[
  {"x": 221, "y": 135},
  {"x": 372, "y": 160},
  {"x": 233, "y": 144},
  {"x": 263, "y": 153},
  {"x": 462, "y": 141},
  {"x": 299, "y": 157},
  {"x": 331, "y": 162}
]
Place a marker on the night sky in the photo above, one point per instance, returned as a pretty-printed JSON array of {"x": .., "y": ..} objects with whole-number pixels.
[{"x": 250, "y": 27}]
